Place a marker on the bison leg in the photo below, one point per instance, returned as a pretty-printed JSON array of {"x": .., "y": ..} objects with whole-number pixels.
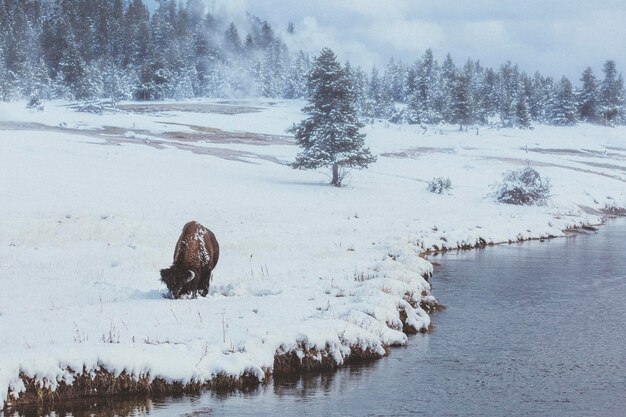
[{"x": 203, "y": 286}]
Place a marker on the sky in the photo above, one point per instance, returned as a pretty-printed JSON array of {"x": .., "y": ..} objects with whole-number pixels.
[{"x": 556, "y": 37}]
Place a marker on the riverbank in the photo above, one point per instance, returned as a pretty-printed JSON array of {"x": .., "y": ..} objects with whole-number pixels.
[{"x": 93, "y": 206}]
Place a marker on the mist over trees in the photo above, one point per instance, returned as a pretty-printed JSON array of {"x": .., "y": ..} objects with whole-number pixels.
[
  {"x": 88, "y": 49},
  {"x": 119, "y": 50}
]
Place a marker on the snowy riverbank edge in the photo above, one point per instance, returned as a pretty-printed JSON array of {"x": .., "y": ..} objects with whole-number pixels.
[
  {"x": 364, "y": 298},
  {"x": 32, "y": 390},
  {"x": 110, "y": 374}
]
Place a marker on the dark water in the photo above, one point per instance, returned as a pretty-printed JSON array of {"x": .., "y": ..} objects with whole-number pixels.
[{"x": 537, "y": 329}]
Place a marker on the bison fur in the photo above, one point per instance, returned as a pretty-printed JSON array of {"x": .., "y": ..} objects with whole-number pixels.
[{"x": 195, "y": 256}]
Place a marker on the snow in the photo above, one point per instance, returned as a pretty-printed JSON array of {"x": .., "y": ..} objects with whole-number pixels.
[{"x": 89, "y": 216}]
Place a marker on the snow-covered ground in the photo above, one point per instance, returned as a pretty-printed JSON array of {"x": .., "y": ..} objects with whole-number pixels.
[{"x": 91, "y": 208}]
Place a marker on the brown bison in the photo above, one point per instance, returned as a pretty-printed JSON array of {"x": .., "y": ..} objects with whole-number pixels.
[{"x": 195, "y": 256}]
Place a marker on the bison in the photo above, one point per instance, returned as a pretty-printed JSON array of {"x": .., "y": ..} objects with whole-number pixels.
[{"x": 195, "y": 256}]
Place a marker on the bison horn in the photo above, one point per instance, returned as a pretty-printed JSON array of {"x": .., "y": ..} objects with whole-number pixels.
[{"x": 191, "y": 277}]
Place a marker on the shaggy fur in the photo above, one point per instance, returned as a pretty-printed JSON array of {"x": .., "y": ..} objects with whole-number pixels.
[{"x": 195, "y": 256}]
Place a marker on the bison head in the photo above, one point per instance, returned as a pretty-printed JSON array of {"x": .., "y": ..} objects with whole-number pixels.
[{"x": 178, "y": 281}]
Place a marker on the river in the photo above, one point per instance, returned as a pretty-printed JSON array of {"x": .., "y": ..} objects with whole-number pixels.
[{"x": 532, "y": 329}]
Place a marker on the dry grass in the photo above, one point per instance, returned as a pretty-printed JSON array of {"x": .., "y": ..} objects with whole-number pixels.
[
  {"x": 315, "y": 360},
  {"x": 105, "y": 385}
]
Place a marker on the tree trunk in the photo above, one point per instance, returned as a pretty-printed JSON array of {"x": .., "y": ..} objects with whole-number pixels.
[{"x": 336, "y": 181}]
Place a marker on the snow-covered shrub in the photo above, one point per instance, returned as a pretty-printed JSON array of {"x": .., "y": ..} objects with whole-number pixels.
[
  {"x": 35, "y": 103},
  {"x": 523, "y": 187},
  {"x": 439, "y": 185},
  {"x": 94, "y": 107}
]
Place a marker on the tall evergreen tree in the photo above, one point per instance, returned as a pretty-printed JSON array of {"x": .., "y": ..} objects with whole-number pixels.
[
  {"x": 395, "y": 80},
  {"x": 425, "y": 92},
  {"x": 380, "y": 103},
  {"x": 508, "y": 94},
  {"x": 522, "y": 117},
  {"x": 444, "y": 101},
  {"x": 563, "y": 104},
  {"x": 359, "y": 82},
  {"x": 539, "y": 97},
  {"x": 232, "y": 41},
  {"x": 462, "y": 100},
  {"x": 330, "y": 136},
  {"x": 611, "y": 94},
  {"x": 297, "y": 75},
  {"x": 587, "y": 97},
  {"x": 487, "y": 101}
]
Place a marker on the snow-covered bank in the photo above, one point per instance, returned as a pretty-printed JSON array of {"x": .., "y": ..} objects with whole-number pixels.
[{"x": 92, "y": 207}]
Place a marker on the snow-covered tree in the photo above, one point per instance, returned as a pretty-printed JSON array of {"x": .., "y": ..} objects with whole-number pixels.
[
  {"x": 487, "y": 98},
  {"x": 296, "y": 79},
  {"x": 444, "y": 100},
  {"x": 232, "y": 41},
  {"x": 522, "y": 117},
  {"x": 612, "y": 95},
  {"x": 330, "y": 136},
  {"x": 424, "y": 91},
  {"x": 380, "y": 103},
  {"x": 539, "y": 97},
  {"x": 462, "y": 103},
  {"x": 359, "y": 82},
  {"x": 395, "y": 80},
  {"x": 118, "y": 84},
  {"x": 563, "y": 104},
  {"x": 587, "y": 97},
  {"x": 508, "y": 93}
]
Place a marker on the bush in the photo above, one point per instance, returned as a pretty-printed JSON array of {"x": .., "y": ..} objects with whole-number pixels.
[
  {"x": 439, "y": 185},
  {"x": 35, "y": 103},
  {"x": 91, "y": 107},
  {"x": 523, "y": 187}
]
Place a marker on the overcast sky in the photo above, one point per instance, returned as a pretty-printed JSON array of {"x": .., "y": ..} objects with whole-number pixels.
[{"x": 554, "y": 36}]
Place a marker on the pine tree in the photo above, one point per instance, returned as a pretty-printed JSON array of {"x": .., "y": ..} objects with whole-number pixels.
[
  {"x": 444, "y": 101},
  {"x": 461, "y": 107},
  {"x": 539, "y": 97},
  {"x": 563, "y": 104},
  {"x": 273, "y": 69},
  {"x": 358, "y": 80},
  {"x": 380, "y": 103},
  {"x": 611, "y": 95},
  {"x": 232, "y": 41},
  {"x": 522, "y": 117},
  {"x": 395, "y": 80},
  {"x": 587, "y": 97},
  {"x": 508, "y": 93},
  {"x": 422, "y": 100},
  {"x": 8, "y": 81},
  {"x": 330, "y": 136},
  {"x": 413, "y": 112},
  {"x": 296, "y": 80},
  {"x": 487, "y": 103}
]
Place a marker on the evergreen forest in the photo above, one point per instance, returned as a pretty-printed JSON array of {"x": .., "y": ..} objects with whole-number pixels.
[{"x": 121, "y": 50}]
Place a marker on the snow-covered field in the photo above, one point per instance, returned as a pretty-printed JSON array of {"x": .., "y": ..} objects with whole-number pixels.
[{"x": 91, "y": 208}]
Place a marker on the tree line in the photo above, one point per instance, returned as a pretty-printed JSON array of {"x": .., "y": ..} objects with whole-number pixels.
[
  {"x": 471, "y": 94},
  {"x": 119, "y": 50},
  {"x": 88, "y": 49}
]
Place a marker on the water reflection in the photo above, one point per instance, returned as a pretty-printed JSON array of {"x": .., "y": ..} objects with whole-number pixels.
[{"x": 129, "y": 407}]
